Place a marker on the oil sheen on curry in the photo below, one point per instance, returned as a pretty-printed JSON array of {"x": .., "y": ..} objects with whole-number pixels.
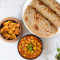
[{"x": 30, "y": 47}]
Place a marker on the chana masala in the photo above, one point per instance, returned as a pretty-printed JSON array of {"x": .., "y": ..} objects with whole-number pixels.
[
  {"x": 10, "y": 29},
  {"x": 30, "y": 47}
]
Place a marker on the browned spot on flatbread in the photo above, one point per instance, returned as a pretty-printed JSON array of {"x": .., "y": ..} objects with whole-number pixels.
[
  {"x": 36, "y": 27},
  {"x": 46, "y": 24},
  {"x": 36, "y": 16},
  {"x": 51, "y": 24},
  {"x": 46, "y": 30},
  {"x": 51, "y": 32},
  {"x": 58, "y": 8},
  {"x": 40, "y": 3},
  {"x": 45, "y": 8},
  {"x": 54, "y": 20},
  {"x": 55, "y": 2},
  {"x": 26, "y": 18},
  {"x": 49, "y": 11},
  {"x": 34, "y": 8}
]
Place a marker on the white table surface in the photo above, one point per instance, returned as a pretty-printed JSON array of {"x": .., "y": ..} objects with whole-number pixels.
[{"x": 8, "y": 51}]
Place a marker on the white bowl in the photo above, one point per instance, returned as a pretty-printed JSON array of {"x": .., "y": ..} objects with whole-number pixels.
[{"x": 27, "y": 3}]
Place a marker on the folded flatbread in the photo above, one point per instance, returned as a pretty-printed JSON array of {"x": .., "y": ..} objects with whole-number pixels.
[
  {"x": 46, "y": 12},
  {"x": 37, "y": 24},
  {"x": 53, "y": 5}
]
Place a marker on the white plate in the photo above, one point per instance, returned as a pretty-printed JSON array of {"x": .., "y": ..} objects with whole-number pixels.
[{"x": 24, "y": 8}]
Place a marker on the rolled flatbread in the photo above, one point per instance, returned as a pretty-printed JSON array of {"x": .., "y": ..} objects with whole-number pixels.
[
  {"x": 46, "y": 12},
  {"x": 37, "y": 24},
  {"x": 53, "y": 5}
]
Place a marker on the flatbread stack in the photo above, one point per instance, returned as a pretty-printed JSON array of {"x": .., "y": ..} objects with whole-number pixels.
[
  {"x": 41, "y": 20},
  {"x": 46, "y": 12},
  {"x": 53, "y": 5}
]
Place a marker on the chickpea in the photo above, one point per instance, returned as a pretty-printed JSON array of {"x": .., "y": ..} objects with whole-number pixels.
[
  {"x": 36, "y": 41},
  {"x": 32, "y": 41},
  {"x": 31, "y": 37},
  {"x": 35, "y": 54},
  {"x": 38, "y": 44},
  {"x": 26, "y": 45},
  {"x": 38, "y": 52},
  {"x": 34, "y": 44},
  {"x": 19, "y": 49},
  {"x": 23, "y": 42},
  {"x": 38, "y": 48},
  {"x": 34, "y": 48},
  {"x": 28, "y": 52},
  {"x": 28, "y": 42},
  {"x": 25, "y": 49},
  {"x": 32, "y": 52},
  {"x": 25, "y": 52},
  {"x": 24, "y": 55},
  {"x": 22, "y": 39},
  {"x": 20, "y": 46}
]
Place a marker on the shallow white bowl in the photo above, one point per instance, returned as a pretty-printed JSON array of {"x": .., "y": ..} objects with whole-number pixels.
[{"x": 27, "y": 3}]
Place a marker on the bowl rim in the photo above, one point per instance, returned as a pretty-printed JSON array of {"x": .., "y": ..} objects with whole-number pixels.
[
  {"x": 17, "y": 21},
  {"x": 30, "y": 35}
]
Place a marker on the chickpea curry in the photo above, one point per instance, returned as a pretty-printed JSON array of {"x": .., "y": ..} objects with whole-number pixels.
[
  {"x": 30, "y": 47},
  {"x": 10, "y": 29}
]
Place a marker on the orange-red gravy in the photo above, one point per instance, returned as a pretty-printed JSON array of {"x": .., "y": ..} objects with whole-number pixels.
[{"x": 24, "y": 43}]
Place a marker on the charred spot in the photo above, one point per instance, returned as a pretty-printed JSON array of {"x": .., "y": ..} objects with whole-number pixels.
[
  {"x": 46, "y": 30},
  {"x": 36, "y": 16},
  {"x": 49, "y": 11},
  {"x": 51, "y": 32},
  {"x": 54, "y": 20},
  {"x": 36, "y": 27},
  {"x": 46, "y": 24},
  {"x": 58, "y": 8},
  {"x": 26, "y": 18},
  {"x": 51, "y": 24},
  {"x": 40, "y": 3},
  {"x": 45, "y": 9},
  {"x": 54, "y": 2},
  {"x": 34, "y": 8}
]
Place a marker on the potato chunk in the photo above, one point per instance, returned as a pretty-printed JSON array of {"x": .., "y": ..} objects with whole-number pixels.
[
  {"x": 17, "y": 31},
  {"x": 7, "y": 23},
  {"x": 13, "y": 36}
]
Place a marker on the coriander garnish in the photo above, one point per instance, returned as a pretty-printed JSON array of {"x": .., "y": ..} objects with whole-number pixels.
[{"x": 58, "y": 55}]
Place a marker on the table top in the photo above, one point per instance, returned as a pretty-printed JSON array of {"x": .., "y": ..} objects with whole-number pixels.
[{"x": 8, "y": 51}]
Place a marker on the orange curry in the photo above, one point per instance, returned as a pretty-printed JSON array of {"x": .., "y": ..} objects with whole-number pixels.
[
  {"x": 10, "y": 30},
  {"x": 30, "y": 47}
]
